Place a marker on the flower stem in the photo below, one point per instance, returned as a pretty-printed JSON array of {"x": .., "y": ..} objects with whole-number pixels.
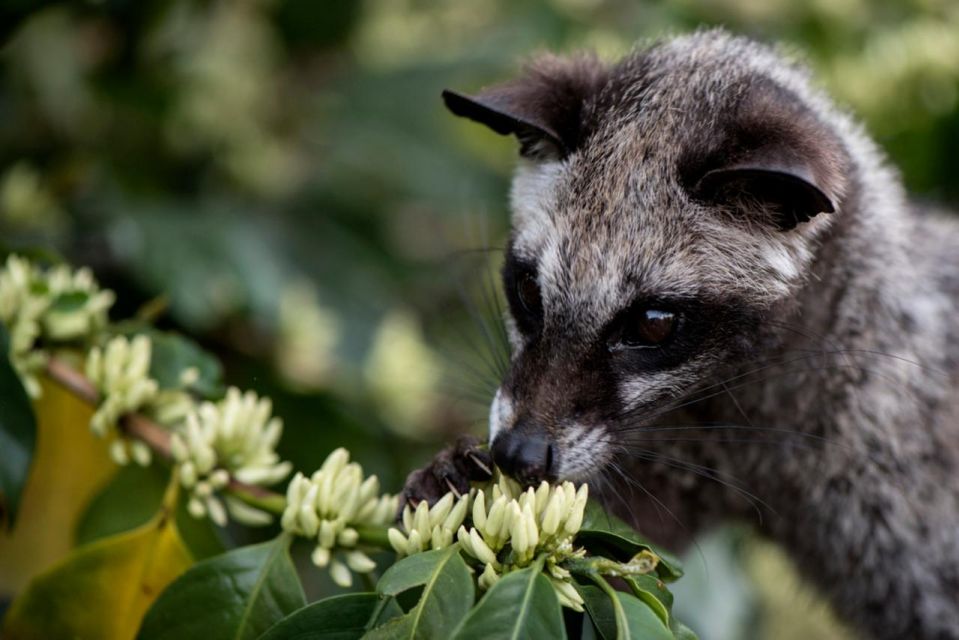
[
  {"x": 257, "y": 497},
  {"x": 373, "y": 535}
]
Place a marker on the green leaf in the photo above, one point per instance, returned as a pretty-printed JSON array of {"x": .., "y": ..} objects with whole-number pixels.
[
  {"x": 70, "y": 301},
  {"x": 338, "y": 618},
  {"x": 18, "y": 435},
  {"x": 235, "y": 596},
  {"x": 681, "y": 631},
  {"x": 172, "y": 354},
  {"x": 387, "y": 609},
  {"x": 131, "y": 498},
  {"x": 101, "y": 590},
  {"x": 654, "y": 593},
  {"x": 522, "y": 604},
  {"x": 622, "y": 618},
  {"x": 446, "y": 598},
  {"x": 603, "y": 533}
]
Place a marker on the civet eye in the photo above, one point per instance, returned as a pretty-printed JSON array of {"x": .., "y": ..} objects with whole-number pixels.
[
  {"x": 527, "y": 290},
  {"x": 646, "y": 328}
]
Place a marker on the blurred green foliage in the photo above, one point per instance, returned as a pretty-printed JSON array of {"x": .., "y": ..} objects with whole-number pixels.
[{"x": 282, "y": 173}]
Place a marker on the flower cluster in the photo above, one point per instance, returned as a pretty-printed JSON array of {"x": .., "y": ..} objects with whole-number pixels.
[
  {"x": 329, "y": 506},
  {"x": 510, "y": 528},
  {"x": 57, "y": 305},
  {"x": 121, "y": 374},
  {"x": 429, "y": 527},
  {"x": 235, "y": 437}
]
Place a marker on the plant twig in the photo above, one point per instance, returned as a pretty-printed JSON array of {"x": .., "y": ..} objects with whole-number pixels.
[{"x": 156, "y": 436}]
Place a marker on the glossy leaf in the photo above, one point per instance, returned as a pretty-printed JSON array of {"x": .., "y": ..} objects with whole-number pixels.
[
  {"x": 173, "y": 353},
  {"x": 522, "y": 604},
  {"x": 18, "y": 436},
  {"x": 681, "y": 631},
  {"x": 131, "y": 498},
  {"x": 447, "y": 594},
  {"x": 654, "y": 593},
  {"x": 101, "y": 590},
  {"x": 603, "y": 532},
  {"x": 70, "y": 466},
  {"x": 625, "y": 618},
  {"x": 338, "y": 618},
  {"x": 70, "y": 301},
  {"x": 235, "y": 596}
]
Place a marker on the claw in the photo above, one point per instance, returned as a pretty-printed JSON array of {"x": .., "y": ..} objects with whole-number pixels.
[
  {"x": 479, "y": 463},
  {"x": 452, "y": 488}
]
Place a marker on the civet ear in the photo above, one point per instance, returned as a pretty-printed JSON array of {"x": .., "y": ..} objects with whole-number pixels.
[
  {"x": 785, "y": 187},
  {"x": 773, "y": 161},
  {"x": 543, "y": 108}
]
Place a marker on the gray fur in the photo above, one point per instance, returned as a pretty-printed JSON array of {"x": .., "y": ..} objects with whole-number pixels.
[{"x": 828, "y": 393}]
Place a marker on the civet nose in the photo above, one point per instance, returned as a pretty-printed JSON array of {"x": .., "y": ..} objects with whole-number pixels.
[{"x": 527, "y": 458}]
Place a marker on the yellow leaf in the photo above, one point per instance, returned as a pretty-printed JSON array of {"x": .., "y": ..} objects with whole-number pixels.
[
  {"x": 103, "y": 590},
  {"x": 70, "y": 466}
]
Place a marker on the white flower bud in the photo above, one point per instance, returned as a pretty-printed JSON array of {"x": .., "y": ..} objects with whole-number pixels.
[
  {"x": 219, "y": 478},
  {"x": 463, "y": 536},
  {"x": 141, "y": 453},
  {"x": 359, "y": 562},
  {"x": 496, "y": 522},
  {"x": 480, "y": 549},
  {"x": 397, "y": 540},
  {"x": 187, "y": 475},
  {"x": 327, "y": 536},
  {"x": 421, "y": 518},
  {"x": 217, "y": 513},
  {"x": 415, "y": 543},
  {"x": 440, "y": 510},
  {"x": 341, "y": 574},
  {"x": 347, "y": 537},
  {"x": 118, "y": 452},
  {"x": 488, "y": 578},
  {"x": 320, "y": 556},
  {"x": 457, "y": 514},
  {"x": 575, "y": 519},
  {"x": 542, "y": 497},
  {"x": 553, "y": 513},
  {"x": 479, "y": 511},
  {"x": 567, "y": 594},
  {"x": 519, "y": 535},
  {"x": 309, "y": 522},
  {"x": 189, "y": 376},
  {"x": 196, "y": 508},
  {"x": 532, "y": 531},
  {"x": 245, "y": 514},
  {"x": 178, "y": 448}
]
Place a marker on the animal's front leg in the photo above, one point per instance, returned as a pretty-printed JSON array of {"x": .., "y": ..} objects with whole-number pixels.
[{"x": 452, "y": 469}]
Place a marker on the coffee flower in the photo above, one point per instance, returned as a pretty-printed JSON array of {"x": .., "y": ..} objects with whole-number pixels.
[
  {"x": 78, "y": 307},
  {"x": 429, "y": 527},
  {"x": 516, "y": 527},
  {"x": 328, "y": 506},
  {"x": 121, "y": 374},
  {"x": 235, "y": 437},
  {"x": 57, "y": 305}
]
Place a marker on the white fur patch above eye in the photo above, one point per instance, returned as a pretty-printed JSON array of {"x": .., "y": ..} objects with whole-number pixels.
[{"x": 532, "y": 199}]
